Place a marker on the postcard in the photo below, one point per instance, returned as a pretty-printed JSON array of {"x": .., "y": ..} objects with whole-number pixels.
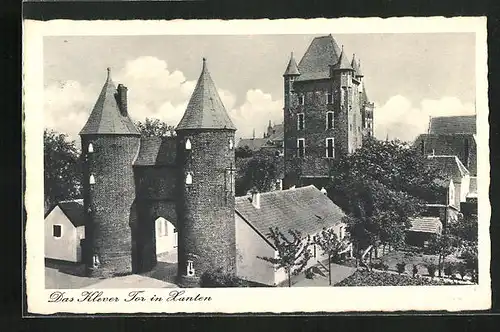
[{"x": 246, "y": 166}]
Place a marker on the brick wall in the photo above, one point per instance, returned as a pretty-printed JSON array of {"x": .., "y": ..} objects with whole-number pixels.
[
  {"x": 109, "y": 202},
  {"x": 346, "y": 113},
  {"x": 205, "y": 208}
]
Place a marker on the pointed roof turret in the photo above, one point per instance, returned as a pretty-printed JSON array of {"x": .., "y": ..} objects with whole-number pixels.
[
  {"x": 322, "y": 53},
  {"x": 343, "y": 63},
  {"x": 205, "y": 109},
  {"x": 354, "y": 65},
  {"x": 106, "y": 117},
  {"x": 292, "y": 69},
  {"x": 359, "y": 72}
]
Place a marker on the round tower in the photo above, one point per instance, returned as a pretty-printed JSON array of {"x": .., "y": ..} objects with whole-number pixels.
[
  {"x": 205, "y": 208},
  {"x": 110, "y": 143}
]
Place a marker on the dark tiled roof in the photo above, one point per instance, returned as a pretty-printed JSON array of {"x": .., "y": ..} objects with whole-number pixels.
[
  {"x": 205, "y": 109},
  {"x": 450, "y": 166},
  {"x": 253, "y": 144},
  {"x": 426, "y": 225},
  {"x": 74, "y": 211},
  {"x": 304, "y": 209},
  {"x": 321, "y": 54},
  {"x": 292, "y": 69},
  {"x": 278, "y": 134},
  {"x": 106, "y": 117},
  {"x": 343, "y": 63},
  {"x": 448, "y": 125},
  {"x": 156, "y": 151}
]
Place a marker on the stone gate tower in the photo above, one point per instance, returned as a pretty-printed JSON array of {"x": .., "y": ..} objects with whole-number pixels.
[
  {"x": 110, "y": 143},
  {"x": 205, "y": 203}
]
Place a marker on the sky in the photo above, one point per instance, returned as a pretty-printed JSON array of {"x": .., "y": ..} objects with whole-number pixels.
[{"x": 409, "y": 77}]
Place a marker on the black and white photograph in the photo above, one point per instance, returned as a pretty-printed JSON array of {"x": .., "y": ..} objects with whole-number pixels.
[{"x": 183, "y": 166}]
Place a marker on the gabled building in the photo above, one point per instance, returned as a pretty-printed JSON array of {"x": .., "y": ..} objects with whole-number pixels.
[
  {"x": 304, "y": 209},
  {"x": 326, "y": 111},
  {"x": 64, "y": 231}
]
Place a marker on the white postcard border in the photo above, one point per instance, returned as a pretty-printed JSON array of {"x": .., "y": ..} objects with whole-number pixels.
[{"x": 242, "y": 300}]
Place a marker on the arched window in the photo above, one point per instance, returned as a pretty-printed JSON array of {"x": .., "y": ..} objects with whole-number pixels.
[
  {"x": 231, "y": 144},
  {"x": 189, "y": 178},
  {"x": 188, "y": 144},
  {"x": 91, "y": 148},
  {"x": 92, "y": 179}
]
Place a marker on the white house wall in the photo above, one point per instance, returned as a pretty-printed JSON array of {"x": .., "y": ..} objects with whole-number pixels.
[
  {"x": 66, "y": 247},
  {"x": 249, "y": 246},
  {"x": 168, "y": 242}
]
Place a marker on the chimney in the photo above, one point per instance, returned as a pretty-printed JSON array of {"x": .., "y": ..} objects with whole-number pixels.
[
  {"x": 256, "y": 199},
  {"x": 122, "y": 99}
]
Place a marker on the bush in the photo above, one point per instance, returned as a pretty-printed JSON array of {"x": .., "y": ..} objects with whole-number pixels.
[
  {"x": 380, "y": 266},
  {"x": 450, "y": 268},
  {"x": 309, "y": 274},
  {"x": 400, "y": 267},
  {"x": 217, "y": 278},
  {"x": 462, "y": 269},
  {"x": 367, "y": 278},
  {"x": 431, "y": 268}
]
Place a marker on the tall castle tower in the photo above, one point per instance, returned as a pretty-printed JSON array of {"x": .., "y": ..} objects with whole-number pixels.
[
  {"x": 110, "y": 143},
  {"x": 323, "y": 114},
  {"x": 205, "y": 204}
]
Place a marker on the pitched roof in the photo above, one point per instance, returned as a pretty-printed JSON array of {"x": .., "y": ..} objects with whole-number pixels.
[
  {"x": 321, "y": 54},
  {"x": 156, "y": 151},
  {"x": 205, "y": 109},
  {"x": 449, "y": 166},
  {"x": 364, "y": 96},
  {"x": 278, "y": 133},
  {"x": 342, "y": 63},
  {"x": 305, "y": 209},
  {"x": 106, "y": 117},
  {"x": 426, "y": 225},
  {"x": 253, "y": 144},
  {"x": 292, "y": 69},
  {"x": 448, "y": 125},
  {"x": 73, "y": 209}
]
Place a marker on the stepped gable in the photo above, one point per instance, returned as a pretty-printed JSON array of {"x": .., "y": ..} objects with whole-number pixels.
[
  {"x": 450, "y": 125},
  {"x": 305, "y": 209},
  {"x": 321, "y": 54},
  {"x": 106, "y": 117},
  {"x": 205, "y": 109}
]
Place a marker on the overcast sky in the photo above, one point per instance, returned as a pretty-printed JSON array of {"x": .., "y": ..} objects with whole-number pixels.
[{"x": 408, "y": 76}]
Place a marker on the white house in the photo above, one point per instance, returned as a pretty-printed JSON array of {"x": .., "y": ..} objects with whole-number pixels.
[
  {"x": 64, "y": 229},
  {"x": 305, "y": 209}
]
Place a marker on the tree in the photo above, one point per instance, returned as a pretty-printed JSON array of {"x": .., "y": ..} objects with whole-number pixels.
[
  {"x": 381, "y": 186},
  {"x": 443, "y": 245},
  {"x": 62, "y": 168},
  {"x": 243, "y": 152},
  {"x": 292, "y": 252},
  {"x": 330, "y": 245},
  {"x": 154, "y": 128},
  {"x": 259, "y": 171}
]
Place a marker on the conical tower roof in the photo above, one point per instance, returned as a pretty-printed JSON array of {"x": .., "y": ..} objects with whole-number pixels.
[
  {"x": 106, "y": 117},
  {"x": 359, "y": 72},
  {"x": 343, "y": 63},
  {"x": 292, "y": 69},
  {"x": 354, "y": 65},
  {"x": 205, "y": 109}
]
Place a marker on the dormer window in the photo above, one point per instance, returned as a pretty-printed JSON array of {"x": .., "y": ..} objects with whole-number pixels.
[
  {"x": 188, "y": 144},
  {"x": 92, "y": 179},
  {"x": 189, "y": 178},
  {"x": 231, "y": 144},
  {"x": 91, "y": 148}
]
